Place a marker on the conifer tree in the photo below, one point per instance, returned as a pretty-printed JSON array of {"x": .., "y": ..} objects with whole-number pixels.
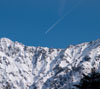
[{"x": 90, "y": 81}]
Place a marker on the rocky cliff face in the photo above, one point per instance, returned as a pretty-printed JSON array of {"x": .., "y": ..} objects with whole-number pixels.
[{"x": 25, "y": 67}]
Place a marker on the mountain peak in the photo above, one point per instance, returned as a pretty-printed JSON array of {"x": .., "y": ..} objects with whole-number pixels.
[{"x": 5, "y": 39}]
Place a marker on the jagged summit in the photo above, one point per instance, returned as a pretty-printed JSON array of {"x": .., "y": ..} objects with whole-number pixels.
[
  {"x": 5, "y": 41},
  {"x": 26, "y": 67}
]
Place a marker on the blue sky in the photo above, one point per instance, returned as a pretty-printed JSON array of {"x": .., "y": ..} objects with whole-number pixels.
[{"x": 27, "y": 21}]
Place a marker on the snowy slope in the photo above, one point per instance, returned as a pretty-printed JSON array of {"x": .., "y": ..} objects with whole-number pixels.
[{"x": 25, "y": 67}]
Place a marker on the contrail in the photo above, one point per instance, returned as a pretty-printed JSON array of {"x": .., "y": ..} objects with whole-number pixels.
[{"x": 59, "y": 20}]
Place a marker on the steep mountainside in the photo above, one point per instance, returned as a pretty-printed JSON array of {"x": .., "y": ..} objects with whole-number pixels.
[{"x": 25, "y": 67}]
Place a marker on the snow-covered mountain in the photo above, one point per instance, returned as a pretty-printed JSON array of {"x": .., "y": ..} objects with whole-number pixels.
[{"x": 25, "y": 67}]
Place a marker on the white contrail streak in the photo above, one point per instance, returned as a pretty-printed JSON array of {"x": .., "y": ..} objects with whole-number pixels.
[{"x": 59, "y": 20}]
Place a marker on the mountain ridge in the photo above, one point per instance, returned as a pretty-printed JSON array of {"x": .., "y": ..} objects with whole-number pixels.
[{"x": 29, "y": 67}]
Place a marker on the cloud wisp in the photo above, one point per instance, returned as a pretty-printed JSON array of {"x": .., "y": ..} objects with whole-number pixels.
[
  {"x": 60, "y": 19},
  {"x": 62, "y": 6}
]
